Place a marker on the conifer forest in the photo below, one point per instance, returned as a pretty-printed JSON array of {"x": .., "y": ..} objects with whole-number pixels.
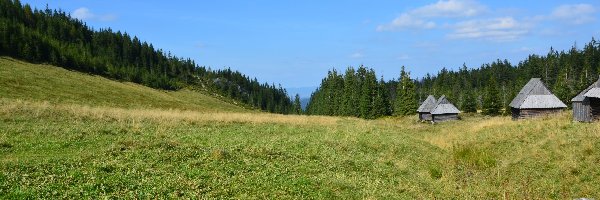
[{"x": 489, "y": 87}]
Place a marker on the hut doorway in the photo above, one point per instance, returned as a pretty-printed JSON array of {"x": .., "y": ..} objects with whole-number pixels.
[
  {"x": 515, "y": 113},
  {"x": 595, "y": 108}
]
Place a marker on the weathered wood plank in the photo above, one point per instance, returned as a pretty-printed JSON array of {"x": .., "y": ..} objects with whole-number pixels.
[
  {"x": 531, "y": 113},
  {"x": 425, "y": 116},
  {"x": 444, "y": 117}
]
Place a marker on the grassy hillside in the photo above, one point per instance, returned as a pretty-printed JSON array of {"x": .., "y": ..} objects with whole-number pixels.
[
  {"x": 70, "y": 148},
  {"x": 21, "y": 80}
]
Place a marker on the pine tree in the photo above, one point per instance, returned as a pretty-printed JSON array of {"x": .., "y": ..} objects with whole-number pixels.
[
  {"x": 381, "y": 105},
  {"x": 406, "y": 97},
  {"x": 562, "y": 88},
  {"x": 337, "y": 93},
  {"x": 492, "y": 101},
  {"x": 469, "y": 104},
  {"x": 297, "y": 105},
  {"x": 350, "y": 97},
  {"x": 365, "y": 96}
]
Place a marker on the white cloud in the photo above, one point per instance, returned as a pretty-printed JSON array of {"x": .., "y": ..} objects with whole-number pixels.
[
  {"x": 451, "y": 8},
  {"x": 576, "y": 14},
  {"x": 407, "y": 21},
  {"x": 84, "y": 13},
  {"x": 497, "y": 29},
  {"x": 420, "y": 18},
  {"x": 357, "y": 55},
  {"x": 469, "y": 19}
]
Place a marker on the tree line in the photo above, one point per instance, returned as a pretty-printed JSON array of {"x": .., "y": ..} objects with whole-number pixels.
[
  {"x": 54, "y": 37},
  {"x": 489, "y": 88},
  {"x": 494, "y": 85},
  {"x": 358, "y": 93}
]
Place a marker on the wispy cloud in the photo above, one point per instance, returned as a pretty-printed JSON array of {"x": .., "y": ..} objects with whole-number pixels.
[
  {"x": 403, "y": 57},
  {"x": 523, "y": 49},
  {"x": 576, "y": 14},
  {"x": 357, "y": 55},
  {"x": 451, "y": 8},
  {"x": 422, "y": 17},
  {"x": 469, "y": 19},
  {"x": 407, "y": 21},
  {"x": 84, "y": 13},
  {"x": 497, "y": 29},
  {"x": 561, "y": 20}
]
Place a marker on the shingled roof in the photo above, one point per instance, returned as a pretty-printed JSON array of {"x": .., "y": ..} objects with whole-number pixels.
[
  {"x": 427, "y": 105},
  {"x": 443, "y": 106},
  {"x": 582, "y": 94},
  {"x": 535, "y": 95}
]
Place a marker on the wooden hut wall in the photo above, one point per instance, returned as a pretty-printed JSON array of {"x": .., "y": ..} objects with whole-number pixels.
[
  {"x": 529, "y": 113},
  {"x": 582, "y": 111},
  {"x": 425, "y": 116},
  {"x": 444, "y": 117}
]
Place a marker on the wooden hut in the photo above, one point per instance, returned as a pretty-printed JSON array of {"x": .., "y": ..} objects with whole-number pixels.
[
  {"x": 535, "y": 99},
  {"x": 444, "y": 111},
  {"x": 425, "y": 109},
  {"x": 586, "y": 105}
]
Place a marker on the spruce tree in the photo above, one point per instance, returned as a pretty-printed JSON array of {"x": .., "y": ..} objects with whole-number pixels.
[
  {"x": 562, "y": 88},
  {"x": 381, "y": 105},
  {"x": 469, "y": 104},
  {"x": 338, "y": 94},
  {"x": 492, "y": 101},
  {"x": 297, "y": 105},
  {"x": 350, "y": 96},
  {"x": 406, "y": 97},
  {"x": 364, "y": 103}
]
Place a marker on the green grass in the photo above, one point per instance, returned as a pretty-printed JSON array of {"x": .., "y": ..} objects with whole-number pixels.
[
  {"x": 71, "y": 149},
  {"x": 21, "y": 80}
]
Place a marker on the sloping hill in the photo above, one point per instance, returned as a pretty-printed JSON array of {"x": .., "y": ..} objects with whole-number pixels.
[{"x": 21, "y": 80}]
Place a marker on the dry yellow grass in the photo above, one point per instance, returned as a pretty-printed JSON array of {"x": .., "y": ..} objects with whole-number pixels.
[{"x": 36, "y": 109}]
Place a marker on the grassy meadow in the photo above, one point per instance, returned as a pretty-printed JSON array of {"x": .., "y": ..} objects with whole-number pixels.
[{"x": 69, "y": 135}]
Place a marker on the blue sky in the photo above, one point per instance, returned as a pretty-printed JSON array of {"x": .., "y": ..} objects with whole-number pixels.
[{"x": 295, "y": 43}]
